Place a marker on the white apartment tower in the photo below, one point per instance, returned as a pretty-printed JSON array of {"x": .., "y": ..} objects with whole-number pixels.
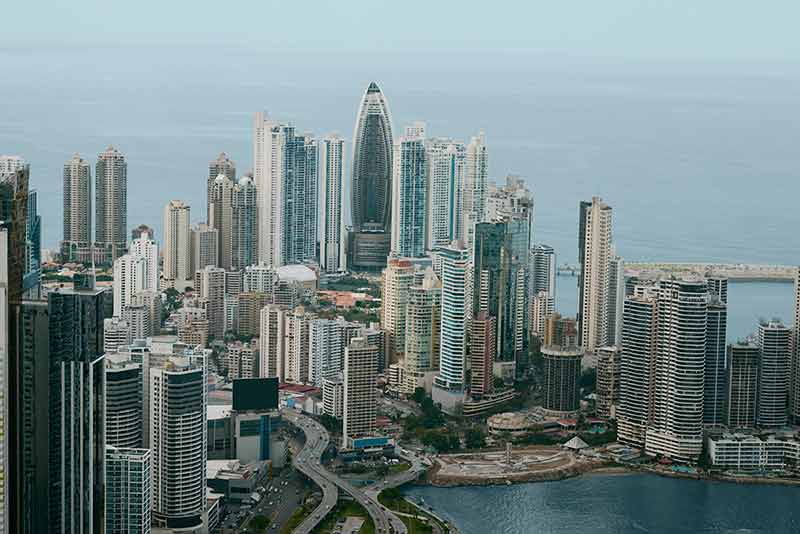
[
  {"x": 332, "y": 257},
  {"x": 285, "y": 175},
  {"x": 177, "y": 245},
  {"x": 296, "y": 345},
  {"x": 475, "y": 186},
  {"x": 271, "y": 341},
  {"x": 774, "y": 373},
  {"x": 455, "y": 269},
  {"x": 409, "y": 195},
  {"x": 447, "y": 165},
  {"x": 595, "y": 252},
  {"x": 360, "y": 402}
]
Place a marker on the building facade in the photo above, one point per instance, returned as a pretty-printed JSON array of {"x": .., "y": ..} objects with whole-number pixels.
[
  {"x": 111, "y": 204},
  {"x": 331, "y": 217}
]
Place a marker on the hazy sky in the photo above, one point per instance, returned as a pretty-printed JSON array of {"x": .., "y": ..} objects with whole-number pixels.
[{"x": 679, "y": 29}]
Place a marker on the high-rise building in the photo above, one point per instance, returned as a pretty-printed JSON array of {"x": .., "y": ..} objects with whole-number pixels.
[
  {"x": 259, "y": 279},
  {"x": 111, "y": 204},
  {"x": 397, "y": 278},
  {"x": 331, "y": 246},
  {"x": 221, "y": 165},
  {"x": 371, "y": 190},
  {"x": 124, "y": 401},
  {"x": 271, "y": 340},
  {"x": 176, "y": 431},
  {"x": 242, "y": 360},
  {"x": 376, "y": 336},
  {"x": 177, "y": 246},
  {"x": 542, "y": 306},
  {"x": 249, "y": 312},
  {"x": 285, "y": 175},
  {"x": 662, "y": 386},
  {"x": 128, "y": 491},
  {"x": 715, "y": 389},
  {"x": 608, "y": 381},
  {"x": 333, "y": 396},
  {"x": 483, "y": 350},
  {"x": 594, "y": 255},
  {"x": 129, "y": 278},
  {"x": 562, "y": 373},
  {"x": 543, "y": 270},
  {"x": 115, "y": 334},
  {"x": 296, "y": 344},
  {"x": 76, "y": 245},
  {"x": 220, "y": 212},
  {"x": 794, "y": 401},
  {"x": 742, "y": 381},
  {"x": 455, "y": 269},
  {"x": 422, "y": 331},
  {"x": 475, "y": 186},
  {"x": 774, "y": 374},
  {"x": 327, "y": 339},
  {"x": 718, "y": 285},
  {"x": 500, "y": 268},
  {"x": 145, "y": 247},
  {"x": 244, "y": 230},
  {"x": 409, "y": 197},
  {"x": 137, "y": 317},
  {"x": 360, "y": 402},
  {"x": 210, "y": 285},
  {"x": 204, "y": 247},
  {"x": 76, "y": 406},
  {"x": 150, "y": 299},
  {"x": 447, "y": 165},
  {"x": 616, "y": 299}
]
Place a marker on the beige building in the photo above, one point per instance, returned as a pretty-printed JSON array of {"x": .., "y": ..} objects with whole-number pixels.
[
  {"x": 271, "y": 341},
  {"x": 177, "y": 267},
  {"x": 595, "y": 256},
  {"x": 360, "y": 401},
  {"x": 397, "y": 279},
  {"x": 422, "y": 331}
]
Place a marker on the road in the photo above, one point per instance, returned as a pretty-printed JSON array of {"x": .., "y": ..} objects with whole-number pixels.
[
  {"x": 398, "y": 479},
  {"x": 385, "y": 521},
  {"x": 284, "y": 495},
  {"x": 308, "y": 463}
]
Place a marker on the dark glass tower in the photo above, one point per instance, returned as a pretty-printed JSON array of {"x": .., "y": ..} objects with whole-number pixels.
[{"x": 372, "y": 182}]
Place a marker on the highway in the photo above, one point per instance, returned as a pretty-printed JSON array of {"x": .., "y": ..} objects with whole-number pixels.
[
  {"x": 385, "y": 521},
  {"x": 308, "y": 463}
]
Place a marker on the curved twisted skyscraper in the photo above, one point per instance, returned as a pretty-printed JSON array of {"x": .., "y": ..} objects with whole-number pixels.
[{"x": 371, "y": 187}]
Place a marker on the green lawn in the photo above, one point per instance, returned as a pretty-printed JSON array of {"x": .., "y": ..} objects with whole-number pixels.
[
  {"x": 399, "y": 468},
  {"x": 344, "y": 509}
]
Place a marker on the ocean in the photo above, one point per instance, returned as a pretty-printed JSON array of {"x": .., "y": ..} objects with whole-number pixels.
[
  {"x": 698, "y": 160},
  {"x": 617, "y": 504}
]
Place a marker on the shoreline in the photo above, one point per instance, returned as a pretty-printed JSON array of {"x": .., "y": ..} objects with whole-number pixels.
[{"x": 592, "y": 468}]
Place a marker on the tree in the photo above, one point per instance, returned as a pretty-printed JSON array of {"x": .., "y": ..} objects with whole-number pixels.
[
  {"x": 474, "y": 438},
  {"x": 418, "y": 396}
]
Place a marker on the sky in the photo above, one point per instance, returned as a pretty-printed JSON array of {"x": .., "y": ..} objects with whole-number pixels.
[{"x": 641, "y": 29}]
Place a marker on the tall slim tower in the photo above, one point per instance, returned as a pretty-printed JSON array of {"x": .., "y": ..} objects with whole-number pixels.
[
  {"x": 360, "y": 372},
  {"x": 76, "y": 245},
  {"x": 222, "y": 165},
  {"x": 398, "y": 277},
  {"x": 715, "y": 389},
  {"x": 210, "y": 286},
  {"x": 455, "y": 313},
  {"x": 244, "y": 231},
  {"x": 774, "y": 374},
  {"x": 285, "y": 174},
  {"x": 594, "y": 253},
  {"x": 409, "y": 197},
  {"x": 423, "y": 320},
  {"x": 177, "y": 245},
  {"x": 742, "y": 381},
  {"x": 475, "y": 185},
  {"x": 220, "y": 210},
  {"x": 111, "y": 204},
  {"x": 543, "y": 270},
  {"x": 447, "y": 165},
  {"x": 331, "y": 245},
  {"x": 371, "y": 188},
  {"x": 794, "y": 402}
]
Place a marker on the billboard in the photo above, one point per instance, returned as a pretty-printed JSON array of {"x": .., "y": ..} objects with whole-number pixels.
[{"x": 255, "y": 394}]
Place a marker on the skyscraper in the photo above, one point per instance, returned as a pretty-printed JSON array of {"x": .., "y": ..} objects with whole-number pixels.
[
  {"x": 447, "y": 165},
  {"x": 285, "y": 175},
  {"x": 124, "y": 402},
  {"x": 296, "y": 344},
  {"x": 210, "y": 286},
  {"x": 422, "y": 331},
  {"x": 177, "y": 245},
  {"x": 371, "y": 181},
  {"x": 475, "y": 186},
  {"x": 327, "y": 339},
  {"x": 742, "y": 382},
  {"x": 221, "y": 165},
  {"x": 794, "y": 402},
  {"x": 129, "y": 278},
  {"x": 608, "y": 381},
  {"x": 359, "y": 406},
  {"x": 409, "y": 197},
  {"x": 455, "y": 268},
  {"x": 271, "y": 341},
  {"x": 128, "y": 491},
  {"x": 662, "y": 386},
  {"x": 76, "y": 245},
  {"x": 774, "y": 374},
  {"x": 220, "y": 209},
  {"x": 331, "y": 247},
  {"x": 483, "y": 350},
  {"x": 616, "y": 299},
  {"x": 111, "y": 204},
  {"x": 594, "y": 255},
  {"x": 204, "y": 246},
  {"x": 543, "y": 270},
  {"x": 244, "y": 231},
  {"x": 397, "y": 279},
  {"x": 715, "y": 389}
]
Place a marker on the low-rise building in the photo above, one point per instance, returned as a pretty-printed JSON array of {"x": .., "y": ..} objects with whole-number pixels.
[{"x": 750, "y": 453}]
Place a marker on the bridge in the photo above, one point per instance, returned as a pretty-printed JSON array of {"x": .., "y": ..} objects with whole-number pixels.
[{"x": 735, "y": 272}]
